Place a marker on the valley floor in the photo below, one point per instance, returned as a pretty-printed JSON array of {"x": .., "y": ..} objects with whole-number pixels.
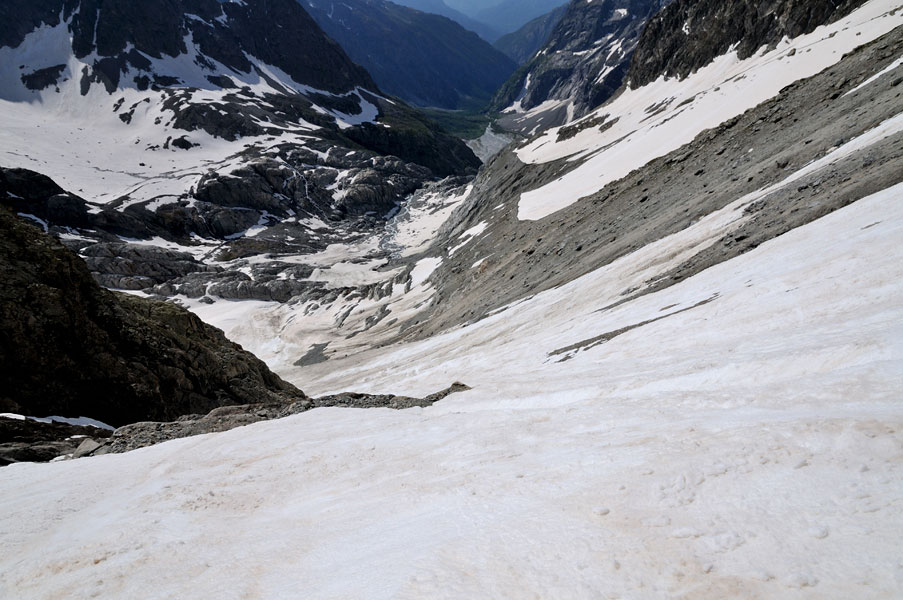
[{"x": 739, "y": 434}]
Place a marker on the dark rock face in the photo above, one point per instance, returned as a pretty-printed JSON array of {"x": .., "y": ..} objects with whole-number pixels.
[
  {"x": 690, "y": 34},
  {"x": 423, "y": 143},
  {"x": 72, "y": 348},
  {"x": 31, "y": 193},
  {"x": 43, "y": 78},
  {"x": 521, "y": 45},
  {"x": 584, "y": 62},
  {"x": 425, "y": 59},
  {"x": 376, "y": 186},
  {"x": 18, "y": 19},
  {"x": 232, "y": 285}
]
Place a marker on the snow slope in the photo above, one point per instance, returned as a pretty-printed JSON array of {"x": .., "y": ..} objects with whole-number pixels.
[
  {"x": 656, "y": 119},
  {"x": 746, "y": 441}
]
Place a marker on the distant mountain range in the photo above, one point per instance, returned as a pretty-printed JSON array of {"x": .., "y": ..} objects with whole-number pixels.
[
  {"x": 510, "y": 15},
  {"x": 439, "y": 7},
  {"x": 490, "y": 20},
  {"x": 425, "y": 59}
]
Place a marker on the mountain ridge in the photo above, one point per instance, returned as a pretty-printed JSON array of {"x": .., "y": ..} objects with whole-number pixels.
[
  {"x": 425, "y": 59},
  {"x": 440, "y": 7},
  {"x": 522, "y": 44},
  {"x": 687, "y": 36}
]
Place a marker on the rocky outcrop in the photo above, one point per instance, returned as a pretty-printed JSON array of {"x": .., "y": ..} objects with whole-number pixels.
[
  {"x": 72, "y": 348},
  {"x": 689, "y": 34},
  {"x": 27, "y": 440},
  {"x": 371, "y": 184},
  {"x": 423, "y": 143},
  {"x": 137, "y": 267},
  {"x": 31, "y": 193},
  {"x": 265, "y": 285},
  {"x": 140, "y": 435}
]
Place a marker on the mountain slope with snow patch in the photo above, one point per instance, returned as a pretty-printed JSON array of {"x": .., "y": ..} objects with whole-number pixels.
[
  {"x": 206, "y": 136},
  {"x": 582, "y": 65},
  {"x": 650, "y": 121}
]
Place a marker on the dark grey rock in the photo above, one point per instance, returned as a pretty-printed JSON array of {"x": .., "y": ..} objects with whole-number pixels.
[
  {"x": 137, "y": 267},
  {"x": 140, "y": 435},
  {"x": 71, "y": 347},
  {"x": 34, "y": 441},
  {"x": 86, "y": 448},
  {"x": 43, "y": 78}
]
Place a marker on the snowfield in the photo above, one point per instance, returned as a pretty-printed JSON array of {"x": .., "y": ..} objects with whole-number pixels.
[{"x": 747, "y": 441}]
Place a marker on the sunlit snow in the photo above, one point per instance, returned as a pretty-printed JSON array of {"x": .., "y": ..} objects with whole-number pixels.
[{"x": 689, "y": 457}]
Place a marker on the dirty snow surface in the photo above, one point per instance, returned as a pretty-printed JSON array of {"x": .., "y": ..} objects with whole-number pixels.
[
  {"x": 738, "y": 434},
  {"x": 742, "y": 436}
]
